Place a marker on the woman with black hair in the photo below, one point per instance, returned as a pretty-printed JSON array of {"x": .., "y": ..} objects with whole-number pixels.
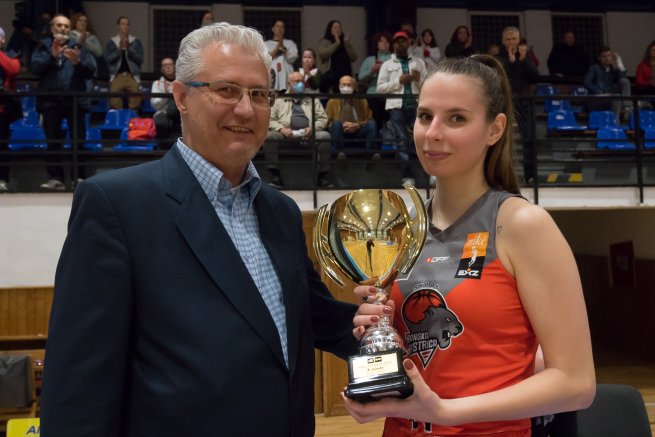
[{"x": 335, "y": 56}]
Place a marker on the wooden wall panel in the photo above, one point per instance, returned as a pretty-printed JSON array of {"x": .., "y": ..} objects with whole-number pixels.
[{"x": 25, "y": 311}]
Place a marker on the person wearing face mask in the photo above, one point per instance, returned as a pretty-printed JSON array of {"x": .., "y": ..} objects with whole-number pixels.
[
  {"x": 296, "y": 122},
  {"x": 350, "y": 118}
]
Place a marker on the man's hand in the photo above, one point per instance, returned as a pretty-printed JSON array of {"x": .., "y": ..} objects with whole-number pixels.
[
  {"x": 523, "y": 51},
  {"x": 350, "y": 127},
  {"x": 57, "y": 48},
  {"x": 308, "y": 132},
  {"x": 287, "y": 132},
  {"x": 73, "y": 55},
  {"x": 123, "y": 43}
]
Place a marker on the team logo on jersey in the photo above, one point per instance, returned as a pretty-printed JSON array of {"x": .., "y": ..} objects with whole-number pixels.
[
  {"x": 431, "y": 325},
  {"x": 473, "y": 253}
]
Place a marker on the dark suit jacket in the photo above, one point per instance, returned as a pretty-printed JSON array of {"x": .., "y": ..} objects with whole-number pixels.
[{"x": 157, "y": 328}]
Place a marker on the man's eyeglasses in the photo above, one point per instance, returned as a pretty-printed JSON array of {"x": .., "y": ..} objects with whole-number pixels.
[{"x": 231, "y": 94}]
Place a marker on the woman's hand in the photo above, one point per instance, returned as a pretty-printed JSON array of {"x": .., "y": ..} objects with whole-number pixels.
[{"x": 370, "y": 312}]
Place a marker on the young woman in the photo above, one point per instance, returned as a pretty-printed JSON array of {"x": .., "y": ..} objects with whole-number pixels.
[
  {"x": 429, "y": 50},
  {"x": 461, "y": 43},
  {"x": 335, "y": 56},
  {"x": 284, "y": 53},
  {"x": 309, "y": 71},
  {"x": 645, "y": 77},
  {"x": 495, "y": 279}
]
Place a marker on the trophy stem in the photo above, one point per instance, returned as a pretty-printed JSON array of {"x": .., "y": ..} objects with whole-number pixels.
[{"x": 381, "y": 337}]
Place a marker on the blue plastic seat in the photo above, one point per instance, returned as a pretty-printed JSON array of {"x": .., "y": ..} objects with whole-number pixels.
[
  {"x": 93, "y": 140},
  {"x": 27, "y": 138},
  {"x": 579, "y": 91},
  {"x": 546, "y": 89},
  {"x": 131, "y": 145},
  {"x": 649, "y": 137},
  {"x": 28, "y": 103},
  {"x": 601, "y": 119},
  {"x": 117, "y": 119},
  {"x": 101, "y": 105},
  {"x": 563, "y": 120},
  {"x": 615, "y": 139},
  {"x": 555, "y": 105},
  {"x": 646, "y": 119},
  {"x": 30, "y": 119}
]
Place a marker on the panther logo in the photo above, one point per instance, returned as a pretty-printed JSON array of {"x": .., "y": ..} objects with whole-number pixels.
[{"x": 431, "y": 324}]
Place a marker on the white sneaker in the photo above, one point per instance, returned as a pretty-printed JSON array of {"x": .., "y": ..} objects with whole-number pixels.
[
  {"x": 408, "y": 181},
  {"x": 3, "y": 185},
  {"x": 53, "y": 184}
]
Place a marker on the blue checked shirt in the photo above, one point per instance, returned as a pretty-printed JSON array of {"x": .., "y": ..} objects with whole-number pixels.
[{"x": 234, "y": 208}]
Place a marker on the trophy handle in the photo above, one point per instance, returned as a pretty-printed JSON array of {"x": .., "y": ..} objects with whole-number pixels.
[
  {"x": 322, "y": 247},
  {"x": 419, "y": 226}
]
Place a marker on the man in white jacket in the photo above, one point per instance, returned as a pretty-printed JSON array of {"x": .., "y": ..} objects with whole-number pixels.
[
  {"x": 167, "y": 116},
  {"x": 402, "y": 75}
]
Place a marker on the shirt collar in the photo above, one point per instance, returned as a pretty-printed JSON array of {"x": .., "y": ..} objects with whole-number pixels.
[{"x": 212, "y": 180}]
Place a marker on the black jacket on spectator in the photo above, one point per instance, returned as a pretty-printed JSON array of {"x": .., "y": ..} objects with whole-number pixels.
[
  {"x": 520, "y": 73},
  {"x": 568, "y": 60}
]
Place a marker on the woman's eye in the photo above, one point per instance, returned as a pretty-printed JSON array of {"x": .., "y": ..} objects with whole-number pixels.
[
  {"x": 456, "y": 118},
  {"x": 423, "y": 116}
]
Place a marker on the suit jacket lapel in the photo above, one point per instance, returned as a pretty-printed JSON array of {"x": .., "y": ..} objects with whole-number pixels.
[{"x": 211, "y": 244}]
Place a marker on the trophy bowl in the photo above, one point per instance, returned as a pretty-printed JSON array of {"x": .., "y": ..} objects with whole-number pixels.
[{"x": 368, "y": 236}]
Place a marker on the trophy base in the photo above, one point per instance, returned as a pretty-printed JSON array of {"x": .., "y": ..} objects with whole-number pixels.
[{"x": 377, "y": 376}]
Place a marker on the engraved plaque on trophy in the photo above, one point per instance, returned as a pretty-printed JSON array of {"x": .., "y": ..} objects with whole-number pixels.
[{"x": 368, "y": 236}]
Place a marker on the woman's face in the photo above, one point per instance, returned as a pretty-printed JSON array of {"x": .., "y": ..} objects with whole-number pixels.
[
  {"x": 383, "y": 45},
  {"x": 427, "y": 38},
  {"x": 308, "y": 60},
  {"x": 336, "y": 28},
  {"x": 81, "y": 23},
  {"x": 451, "y": 132},
  {"x": 462, "y": 34}
]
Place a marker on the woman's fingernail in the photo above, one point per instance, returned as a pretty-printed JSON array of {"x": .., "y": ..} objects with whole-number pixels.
[
  {"x": 375, "y": 319},
  {"x": 408, "y": 364},
  {"x": 387, "y": 310},
  {"x": 372, "y": 290}
]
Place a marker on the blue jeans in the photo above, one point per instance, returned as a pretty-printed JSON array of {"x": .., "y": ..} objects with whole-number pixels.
[
  {"x": 368, "y": 131},
  {"x": 402, "y": 123}
]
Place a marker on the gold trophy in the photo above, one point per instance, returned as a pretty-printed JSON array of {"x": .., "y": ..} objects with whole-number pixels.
[{"x": 369, "y": 236}]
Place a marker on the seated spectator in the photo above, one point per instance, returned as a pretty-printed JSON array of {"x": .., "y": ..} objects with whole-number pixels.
[
  {"x": 284, "y": 53},
  {"x": 82, "y": 34},
  {"x": 350, "y": 118},
  {"x": 402, "y": 75},
  {"x": 310, "y": 73},
  {"x": 429, "y": 50},
  {"x": 368, "y": 73},
  {"x": 607, "y": 78},
  {"x": 645, "y": 77},
  {"x": 291, "y": 119},
  {"x": 335, "y": 56},
  {"x": 461, "y": 43},
  {"x": 124, "y": 56},
  {"x": 9, "y": 107},
  {"x": 568, "y": 59},
  {"x": 167, "y": 116},
  {"x": 207, "y": 18}
]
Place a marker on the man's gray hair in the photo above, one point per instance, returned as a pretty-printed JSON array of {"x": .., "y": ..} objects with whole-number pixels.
[
  {"x": 189, "y": 61},
  {"x": 512, "y": 29}
]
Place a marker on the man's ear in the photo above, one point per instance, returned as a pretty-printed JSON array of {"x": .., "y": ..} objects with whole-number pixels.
[
  {"x": 496, "y": 129},
  {"x": 180, "y": 93}
]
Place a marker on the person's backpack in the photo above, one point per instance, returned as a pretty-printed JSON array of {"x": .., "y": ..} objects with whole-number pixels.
[{"x": 141, "y": 129}]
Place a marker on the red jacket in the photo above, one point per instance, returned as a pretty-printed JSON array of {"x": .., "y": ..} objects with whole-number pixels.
[
  {"x": 644, "y": 74},
  {"x": 11, "y": 67}
]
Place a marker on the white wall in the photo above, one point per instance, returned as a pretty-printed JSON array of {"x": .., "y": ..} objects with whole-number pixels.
[{"x": 629, "y": 34}]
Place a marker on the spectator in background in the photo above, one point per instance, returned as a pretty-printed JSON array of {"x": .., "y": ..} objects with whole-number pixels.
[
  {"x": 292, "y": 118},
  {"x": 645, "y": 77},
  {"x": 493, "y": 49},
  {"x": 403, "y": 75},
  {"x": 531, "y": 55},
  {"x": 82, "y": 34},
  {"x": 414, "y": 49},
  {"x": 461, "y": 43},
  {"x": 521, "y": 73},
  {"x": 124, "y": 56},
  {"x": 368, "y": 73},
  {"x": 568, "y": 59},
  {"x": 335, "y": 56},
  {"x": 310, "y": 72},
  {"x": 207, "y": 18},
  {"x": 61, "y": 64},
  {"x": 167, "y": 116},
  {"x": 607, "y": 78},
  {"x": 284, "y": 53},
  {"x": 429, "y": 50},
  {"x": 350, "y": 118},
  {"x": 9, "y": 107}
]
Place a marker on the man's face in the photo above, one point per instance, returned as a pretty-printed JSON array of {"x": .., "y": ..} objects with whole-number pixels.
[
  {"x": 60, "y": 25},
  {"x": 400, "y": 46},
  {"x": 569, "y": 38},
  {"x": 347, "y": 81},
  {"x": 228, "y": 135},
  {"x": 168, "y": 68},
  {"x": 605, "y": 58},
  {"x": 294, "y": 78},
  {"x": 511, "y": 40},
  {"x": 124, "y": 26}
]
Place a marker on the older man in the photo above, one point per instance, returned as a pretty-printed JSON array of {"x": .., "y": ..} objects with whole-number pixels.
[
  {"x": 301, "y": 121},
  {"x": 61, "y": 65},
  {"x": 185, "y": 302}
]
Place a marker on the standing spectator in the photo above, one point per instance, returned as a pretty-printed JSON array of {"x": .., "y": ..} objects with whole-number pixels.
[
  {"x": 292, "y": 119},
  {"x": 368, "y": 73},
  {"x": 429, "y": 50},
  {"x": 124, "y": 55},
  {"x": 414, "y": 49},
  {"x": 207, "y": 18},
  {"x": 531, "y": 55},
  {"x": 568, "y": 59},
  {"x": 284, "y": 53},
  {"x": 607, "y": 78},
  {"x": 61, "y": 65},
  {"x": 335, "y": 56},
  {"x": 9, "y": 109},
  {"x": 82, "y": 34},
  {"x": 404, "y": 75},
  {"x": 645, "y": 77},
  {"x": 521, "y": 73},
  {"x": 310, "y": 72},
  {"x": 350, "y": 118},
  {"x": 461, "y": 43},
  {"x": 167, "y": 117},
  {"x": 493, "y": 49}
]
